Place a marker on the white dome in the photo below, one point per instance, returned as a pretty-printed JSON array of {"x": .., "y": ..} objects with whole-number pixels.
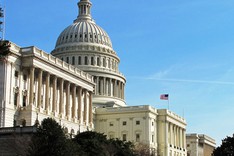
[
  {"x": 84, "y": 31},
  {"x": 87, "y": 46},
  {"x": 81, "y": 32}
]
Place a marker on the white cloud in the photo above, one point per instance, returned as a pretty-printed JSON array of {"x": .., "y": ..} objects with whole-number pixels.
[{"x": 192, "y": 81}]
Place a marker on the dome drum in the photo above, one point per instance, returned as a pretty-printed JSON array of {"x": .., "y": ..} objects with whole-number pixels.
[{"x": 87, "y": 49}]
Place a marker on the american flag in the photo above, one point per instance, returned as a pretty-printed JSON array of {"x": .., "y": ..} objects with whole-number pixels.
[{"x": 164, "y": 96}]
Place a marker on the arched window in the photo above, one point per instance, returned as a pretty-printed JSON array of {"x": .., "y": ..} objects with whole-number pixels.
[
  {"x": 67, "y": 60},
  {"x": 98, "y": 61},
  {"x": 73, "y": 60},
  {"x": 86, "y": 60},
  {"x": 79, "y": 60},
  {"x": 92, "y": 61}
]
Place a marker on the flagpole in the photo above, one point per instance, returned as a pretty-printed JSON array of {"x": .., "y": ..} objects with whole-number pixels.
[{"x": 168, "y": 104}]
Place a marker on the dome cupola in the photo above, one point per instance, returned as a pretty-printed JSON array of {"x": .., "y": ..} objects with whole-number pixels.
[
  {"x": 84, "y": 30},
  {"x": 84, "y": 10}
]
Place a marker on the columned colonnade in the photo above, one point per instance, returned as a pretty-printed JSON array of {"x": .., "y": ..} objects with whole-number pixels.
[
  {"x": 109, "y": 87},
  {"x": 58, "y": 97},
  {"x": 176, "y": 136}
]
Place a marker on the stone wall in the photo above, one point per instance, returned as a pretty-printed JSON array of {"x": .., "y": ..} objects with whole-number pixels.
[{"x": 15, "y": 140}]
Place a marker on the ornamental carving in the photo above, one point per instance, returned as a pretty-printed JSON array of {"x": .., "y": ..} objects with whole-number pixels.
[
  {"x": 16, "y": 89},
  {"x": 24, "y": 92}
]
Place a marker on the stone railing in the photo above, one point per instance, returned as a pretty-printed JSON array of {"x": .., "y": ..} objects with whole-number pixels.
[
  {"x": 175, "y": 116},
  {"x": 131, "y": 108},
  {"x": 56, "y": 61},
  {"x": 104, "y": 70}
]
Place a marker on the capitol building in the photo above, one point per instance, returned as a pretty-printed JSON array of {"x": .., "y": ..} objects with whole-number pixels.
[{"x": 80, "y": 85}]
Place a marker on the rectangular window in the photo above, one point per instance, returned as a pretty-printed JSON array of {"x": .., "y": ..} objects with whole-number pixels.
[
  {"x": 137, "y": 137},
  {"x": 25, "y": 77},
  {"x": 138, "y": 122},
  {"x": 16, "y": 74},
  {"x": 152, "y": 138},
  {"x": 124, "y": 137},
  {"x": 24, "y": 100},
  {"x": 124, "y": 123},
  {"x": 15, "y": 99},
  {"x": 111, "y": 124}
]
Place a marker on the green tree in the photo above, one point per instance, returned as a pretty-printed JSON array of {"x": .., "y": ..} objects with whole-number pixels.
[
  {"x": 226, "y": 148},
  {"x": 120, "y": 148},
  {"x": 4, "y": 48},
  {"x": 93, "y": 143},
  {"x": 49, "y": 140}
]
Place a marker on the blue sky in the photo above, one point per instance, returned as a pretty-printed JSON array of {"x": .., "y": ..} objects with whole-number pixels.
[{"x": 183, "y": 48}]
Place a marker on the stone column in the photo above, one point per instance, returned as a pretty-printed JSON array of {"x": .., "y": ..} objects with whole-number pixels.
[
  {"x": 90, "y": 107},
  {"x": 95, "y": 61},
  {"x": 54, "y": 94},
  {"x": 123, "y": 91},
  {"x": 174, "y": 133},
  {"x": 119, "y": 91},
  {"x": 39, "y": 88},
  {"x": 171, "y": 128},
  {"x": 109, "y": 87},
  {"x": 95, "y": 81},
  {"x": 79, "y": 103},
  {"x": 104, "y": 86},
  {"x": 169, "y": 132},
  {"x": 184, "y": 138},
  {"x": 115, "y": 88},
  {"x": 101, "y": 86},
  {"x": 68, "y": 100},
  {"x": 61, "y": 102},
  {"x": 180, "y": 136},
  {"x": 166, "y": 137},
  {"x": 47, "y": 100},
  {"x": 177, "y": 137},
  {"x": 31, "y": 94},
  {"x": 74, "y": 111},
  {"x": 85, "y": 107},
  {"x": 97, "y": 87}
]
